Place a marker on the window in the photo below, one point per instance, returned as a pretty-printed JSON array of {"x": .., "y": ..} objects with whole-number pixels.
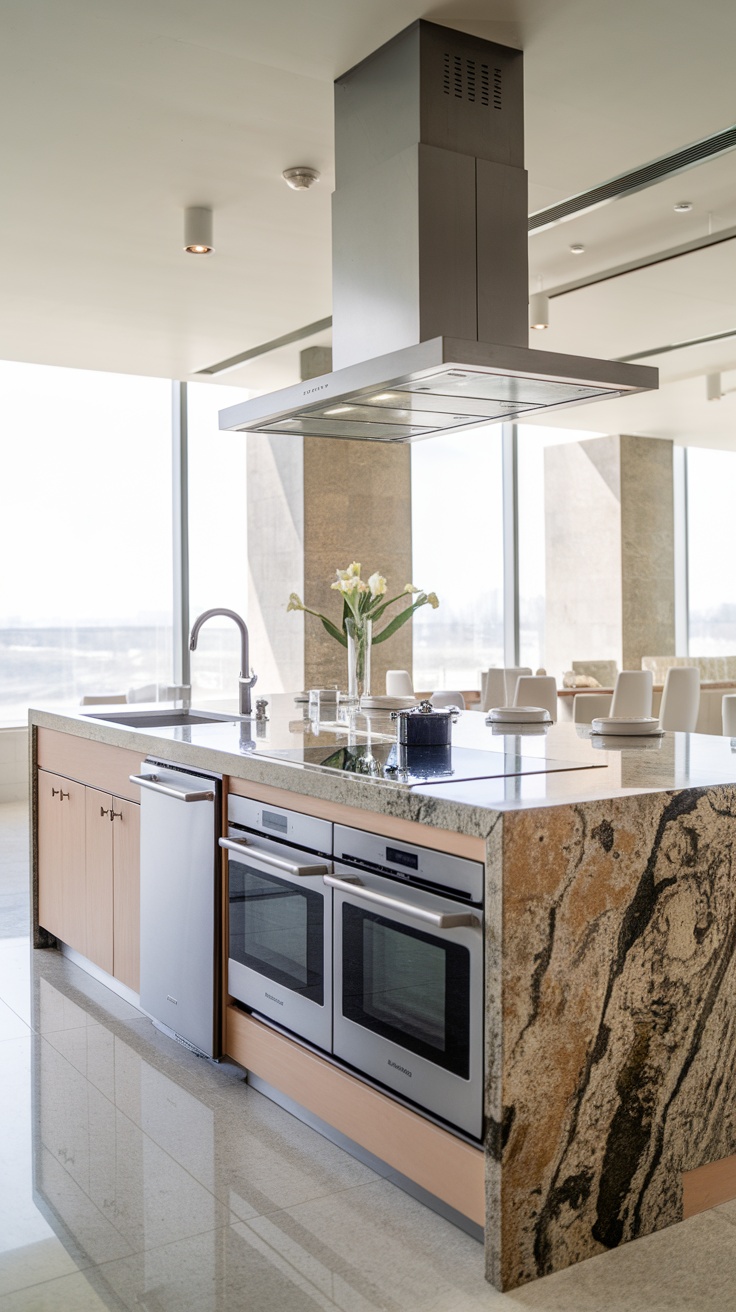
[
  {"x": 536, "y": 483},
  {"x": 457, "y": 533},
  {"x": 218, "y": 540},
  {"x": 711, "y": 533},
  {"x": 85, "y": 535}
]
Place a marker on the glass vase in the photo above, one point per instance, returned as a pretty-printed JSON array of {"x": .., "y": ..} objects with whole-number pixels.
[{"x": 360, "y": 636}]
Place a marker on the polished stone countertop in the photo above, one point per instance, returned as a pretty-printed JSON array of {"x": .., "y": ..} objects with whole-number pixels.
[{"x": 561, "y": 765}]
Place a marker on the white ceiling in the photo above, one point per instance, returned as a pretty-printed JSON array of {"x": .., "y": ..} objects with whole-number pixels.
[{"x": 118, "y": 115}]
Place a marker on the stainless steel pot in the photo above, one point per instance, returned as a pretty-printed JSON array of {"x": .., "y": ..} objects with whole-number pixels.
[{"x": 425, "y": 726}]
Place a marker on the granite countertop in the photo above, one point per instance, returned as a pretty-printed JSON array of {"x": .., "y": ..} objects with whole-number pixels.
[{"x": 561, "y": 765}]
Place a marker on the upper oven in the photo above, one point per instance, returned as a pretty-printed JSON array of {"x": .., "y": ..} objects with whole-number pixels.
[
  {"x": 280, "y": 916},
  {"x": 408, "y": 972}
]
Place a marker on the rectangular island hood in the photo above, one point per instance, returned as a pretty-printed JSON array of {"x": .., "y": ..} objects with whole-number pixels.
[{"x": 430, "y": 267}]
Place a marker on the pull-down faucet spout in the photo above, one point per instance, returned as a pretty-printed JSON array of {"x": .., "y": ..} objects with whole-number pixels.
[{"x": 245, "y": 681}]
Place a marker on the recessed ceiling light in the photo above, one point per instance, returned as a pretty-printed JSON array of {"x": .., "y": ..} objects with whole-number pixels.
[
  {"x": 577, "y": 248},
  {"x": 301, "y": 177},
  {"x": 683, "y": 207},
  {"x": 198, "y": 231}
]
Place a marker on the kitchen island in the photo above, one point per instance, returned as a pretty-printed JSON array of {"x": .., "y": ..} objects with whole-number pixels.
[{"x": 610, "y": 935}]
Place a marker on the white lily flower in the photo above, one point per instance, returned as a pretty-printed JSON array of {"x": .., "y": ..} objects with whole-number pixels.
[
  {"x": 410, "y": 588},
  {"x": 377, "y": 584},
  {"x": 295, "y": 602}
]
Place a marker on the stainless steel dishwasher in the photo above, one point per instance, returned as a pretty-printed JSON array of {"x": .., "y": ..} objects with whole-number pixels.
[{"x": 180, "y": 903}]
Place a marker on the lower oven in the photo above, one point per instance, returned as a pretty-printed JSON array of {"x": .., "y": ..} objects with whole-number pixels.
[
  {"x": 280, "y": 916},
  {"x": 408, "y": 972}
]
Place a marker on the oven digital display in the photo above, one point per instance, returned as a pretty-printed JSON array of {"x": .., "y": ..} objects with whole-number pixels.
[
  {"x": 398, "y": 858},
  {"x": 272, "y": 820}
]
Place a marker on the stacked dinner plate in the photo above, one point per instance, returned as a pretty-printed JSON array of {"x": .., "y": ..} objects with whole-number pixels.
[
  {"x": 634, "y": 726},
  {"x": 518, "y": 715},
  {"x": 386, "y": 703}
]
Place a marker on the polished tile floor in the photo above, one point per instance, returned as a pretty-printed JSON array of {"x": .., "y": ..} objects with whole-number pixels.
[{"x": 136, "y": 1176}]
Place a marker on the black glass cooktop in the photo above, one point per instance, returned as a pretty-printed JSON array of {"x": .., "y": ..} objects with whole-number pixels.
[{"x": 413, "y": 765}]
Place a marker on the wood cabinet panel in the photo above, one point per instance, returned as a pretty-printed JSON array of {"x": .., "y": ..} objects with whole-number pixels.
[
  {"x": 99, "y": 847},
  {"x": 126, "y": 835},
  {"x": 97, "y": 764},
  {"x": 61, "y": 859},
  {"x": 445, "y": 1165}
]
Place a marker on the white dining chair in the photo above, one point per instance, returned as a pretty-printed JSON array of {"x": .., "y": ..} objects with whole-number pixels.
[
  {"x": 680, "y": 699},
  {"x": 728, "y": 714},
  {"x": 512, "y": 674},
  {"x": 632, "y": 694},
  {"x": 399, "y": 684},
  {"x": 537, "y": 690},
  {"x": 587, "y": 706},
  {"x": 493, "y": 688},
  {"x": 447, "y": 698}
]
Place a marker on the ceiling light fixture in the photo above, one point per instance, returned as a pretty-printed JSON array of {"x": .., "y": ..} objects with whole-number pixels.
[
  {"x": 683, "y": 207},
  {"x": 539, "y": 311},
  {"x": 301, "y": 177},
  {"x": 577, "y": 248},
  {"x": 198, "y": 230}
]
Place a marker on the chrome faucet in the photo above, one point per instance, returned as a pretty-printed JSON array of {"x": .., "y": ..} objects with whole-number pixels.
[{"x": 245, "y": 681}]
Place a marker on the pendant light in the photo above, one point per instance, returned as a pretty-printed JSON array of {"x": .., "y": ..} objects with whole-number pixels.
[{"x": 198, "y": 231}]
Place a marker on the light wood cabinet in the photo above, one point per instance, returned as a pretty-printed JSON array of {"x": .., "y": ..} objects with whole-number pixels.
[
  {"x": 89, "y": 872},
  {"x": 61, "y": 857}
]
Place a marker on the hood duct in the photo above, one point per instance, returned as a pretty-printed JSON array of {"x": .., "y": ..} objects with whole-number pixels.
[{"x": 430, "y": 268}]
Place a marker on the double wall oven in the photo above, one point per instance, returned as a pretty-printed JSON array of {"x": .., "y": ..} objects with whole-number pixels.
[{"x": 370, "y": 950}]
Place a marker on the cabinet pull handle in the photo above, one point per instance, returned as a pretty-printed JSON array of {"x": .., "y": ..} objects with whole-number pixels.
[
  {"x": 113, "y": 814},
  {"x": 60, "y": 792}
]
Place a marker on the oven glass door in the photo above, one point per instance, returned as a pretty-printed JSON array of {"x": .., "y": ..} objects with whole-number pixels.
[
  {"x": 277, "y": 929},
  {"x": 280, "y": 931},
  {"x": 407, "y": 985},
  {"x": 408, "y": 1007}
]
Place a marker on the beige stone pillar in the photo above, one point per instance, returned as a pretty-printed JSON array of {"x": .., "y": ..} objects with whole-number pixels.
[
  {"x": 609, "y": 540},
  {"x": 357, "y": 506},
  {"x": 315, "y": 505}
]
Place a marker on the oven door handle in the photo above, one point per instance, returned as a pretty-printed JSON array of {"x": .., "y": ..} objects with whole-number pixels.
[
  {"x": 440, "y": 919},
  {"x": 244, "y": 848},
  {"x": 182, "y": 795}
]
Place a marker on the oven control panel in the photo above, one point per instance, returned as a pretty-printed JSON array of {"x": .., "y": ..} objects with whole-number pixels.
[
  {"x": 292, "y": 827},
  {"x": 417, "y": 865}
]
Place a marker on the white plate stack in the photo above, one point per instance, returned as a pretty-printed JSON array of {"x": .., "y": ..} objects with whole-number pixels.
[
  {"x": 518, "y": 715},
  {"x": 636, "y": 726}
]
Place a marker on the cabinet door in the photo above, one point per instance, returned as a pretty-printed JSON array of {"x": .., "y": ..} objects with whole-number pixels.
[
  {"x": 99, "y": 843},
  {"x": 126, "y": 833},
  {"x": 61, "y": 859}
]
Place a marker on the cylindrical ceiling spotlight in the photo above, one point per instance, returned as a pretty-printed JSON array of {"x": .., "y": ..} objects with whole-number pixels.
[
  {"x": 538, "y": 311},
  {"x": 198, "y": 231}
]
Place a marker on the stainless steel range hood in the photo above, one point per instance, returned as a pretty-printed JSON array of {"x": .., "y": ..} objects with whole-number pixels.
[{"x": 430, "y": 270}]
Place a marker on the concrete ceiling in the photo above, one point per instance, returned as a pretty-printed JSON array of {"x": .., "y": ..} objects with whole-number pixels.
[{"x": 117, "y": 116}]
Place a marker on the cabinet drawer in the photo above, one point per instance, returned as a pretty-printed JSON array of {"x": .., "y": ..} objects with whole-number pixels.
[{"x": 98, "y": 764}]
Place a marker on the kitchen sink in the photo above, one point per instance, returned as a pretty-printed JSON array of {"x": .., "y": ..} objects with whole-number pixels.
[{"x": 160, "y": 719}]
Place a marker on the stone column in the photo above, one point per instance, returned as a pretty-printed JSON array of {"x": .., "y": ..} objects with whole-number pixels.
[
  {"x": 315, "y": 505},
  {"x": 357, "y": 506},
  {"x": 609, "y": 537}
]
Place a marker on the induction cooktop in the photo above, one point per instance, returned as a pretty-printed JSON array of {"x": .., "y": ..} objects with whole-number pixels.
[{"x": 394, "y": 763}]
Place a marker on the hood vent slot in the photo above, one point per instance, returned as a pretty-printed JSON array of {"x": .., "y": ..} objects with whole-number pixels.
[{"x": 460, "y": 78}]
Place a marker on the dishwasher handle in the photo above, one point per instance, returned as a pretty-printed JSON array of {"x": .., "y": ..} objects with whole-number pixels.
[
  {"x": 181, "y": 794},
  {"x": 244, "y": 848},
  {"x": 440, "y": 919}
]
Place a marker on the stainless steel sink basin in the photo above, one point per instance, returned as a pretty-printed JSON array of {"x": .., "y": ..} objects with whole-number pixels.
[{"x": 160, "y": 719}]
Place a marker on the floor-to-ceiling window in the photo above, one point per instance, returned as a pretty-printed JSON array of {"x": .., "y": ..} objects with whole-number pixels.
[
  {"x": 534, "y": 490},
  {"x": 218, "y": 539},
  {"x": 457, "y": 543},
  {"x": 85, "y": 535},
  {"x": 711, "y": 534}
]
